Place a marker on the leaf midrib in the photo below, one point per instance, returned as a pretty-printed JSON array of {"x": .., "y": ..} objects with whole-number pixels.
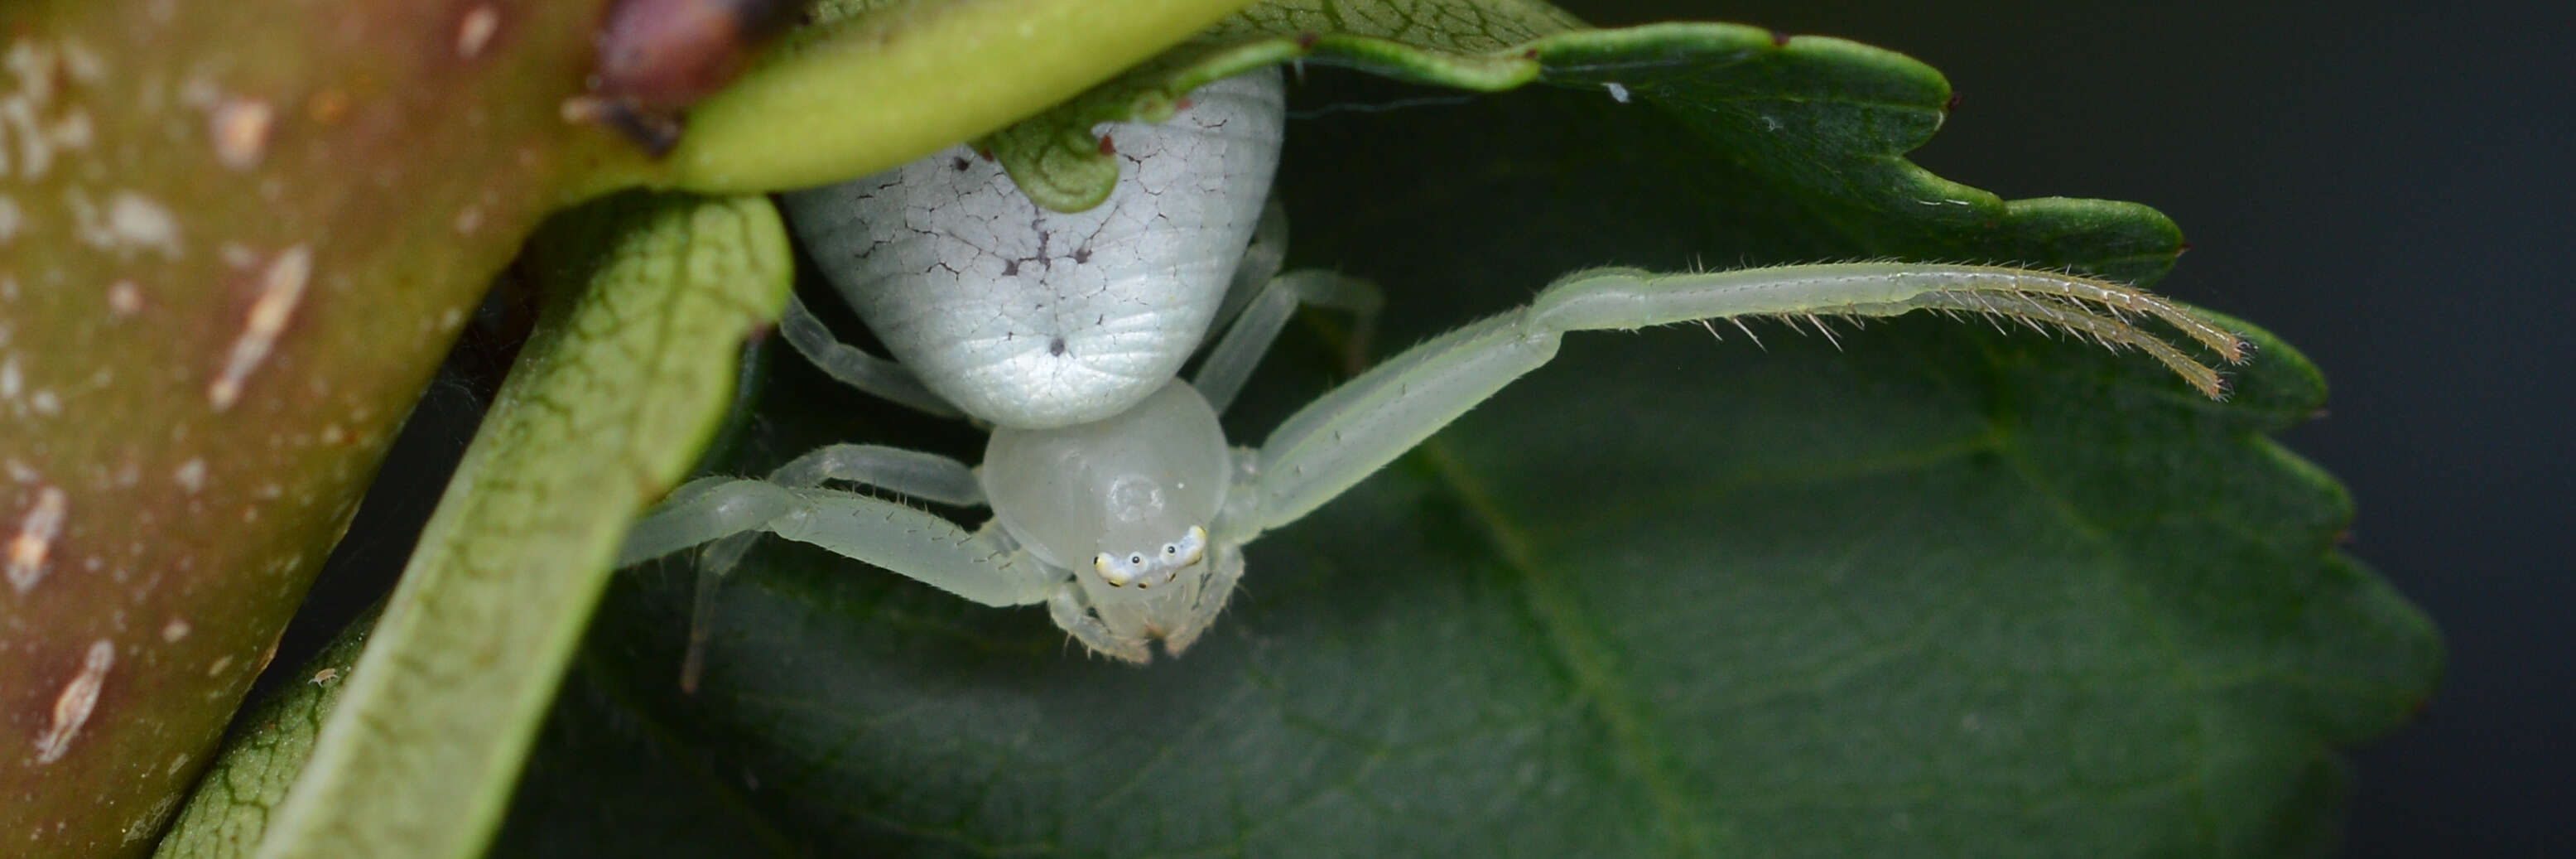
[{"x": 1583, "y": 651}]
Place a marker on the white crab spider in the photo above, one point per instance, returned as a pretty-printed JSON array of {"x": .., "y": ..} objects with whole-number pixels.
[
  {"x": 1116, "y": 499},
  {"x": 1025, "y": 317}
]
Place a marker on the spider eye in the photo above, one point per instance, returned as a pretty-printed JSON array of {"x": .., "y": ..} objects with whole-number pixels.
[
  {"x": 1186, "y": 551},
  {"x": 1113, "y": 570}
]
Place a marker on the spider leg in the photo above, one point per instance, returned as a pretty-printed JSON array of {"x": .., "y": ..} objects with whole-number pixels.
[
  {"x": 728, "y": 514},
  {"x": 1075, "y": 616},
  {"x": 851, "y": 366},
  {"x": 1261, "y": 260},
  {"x": 1207, "y": 598},
  {"x": 1230, "y": 361},
  {"x": 1357, "y": 428}
]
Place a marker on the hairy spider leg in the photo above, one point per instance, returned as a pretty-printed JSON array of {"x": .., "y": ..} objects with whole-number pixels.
[
  {"x": 985, "y": 566},
  {"x": 1352, "y": 431}
]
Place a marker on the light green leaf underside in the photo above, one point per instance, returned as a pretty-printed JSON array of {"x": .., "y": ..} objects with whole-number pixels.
[
  {"x": 631, "y": 369},
  {"x": 919, "y": 76},
  {"x": 231, "y": 804}
]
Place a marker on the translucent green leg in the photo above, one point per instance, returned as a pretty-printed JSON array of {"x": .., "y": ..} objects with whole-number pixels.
[
  {"x": 1352, "y": 431},
  {"x": 850, "y": 366},
  {"x": 1261, "y": 261},
  {"x": 728, "y": 514},
  {"x": 1230, "y": 362}
]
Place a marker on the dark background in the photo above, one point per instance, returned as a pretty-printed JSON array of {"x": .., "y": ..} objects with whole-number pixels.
[{"x": 2386, "y": 188}]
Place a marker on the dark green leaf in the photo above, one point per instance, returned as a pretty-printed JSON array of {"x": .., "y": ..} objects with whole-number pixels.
[{"x": 1937, "y": 589}]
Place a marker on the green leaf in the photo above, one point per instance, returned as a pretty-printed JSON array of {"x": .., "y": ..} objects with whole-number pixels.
[
  {"x": 1932, "y": 588},
  {"x": 1834, "y": 116},
  {"x": 1058, "y": 163},
  {"x": 921, "y": 76},
  {"x": 231, "y": 804},
  {"x": 631, "y": 369}
]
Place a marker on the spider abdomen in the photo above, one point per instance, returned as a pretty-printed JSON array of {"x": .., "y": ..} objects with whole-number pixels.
[{"x": 1028, "y": 317}]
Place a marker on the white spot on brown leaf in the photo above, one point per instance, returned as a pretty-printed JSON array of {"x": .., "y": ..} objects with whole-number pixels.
[
  {"x": 30, "y": 112},
  {"x": 240, "y": 130},
  {"x": 281, "y": 288},
  {"x": 72, "y": 707},
  {"x": 476, "y": 29},
  {"x": 35, "y": 539},
  {"x": 141, "y": 220},
  {"x": 124, "y": 298},
  {"x": 131, "y": 222}
]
